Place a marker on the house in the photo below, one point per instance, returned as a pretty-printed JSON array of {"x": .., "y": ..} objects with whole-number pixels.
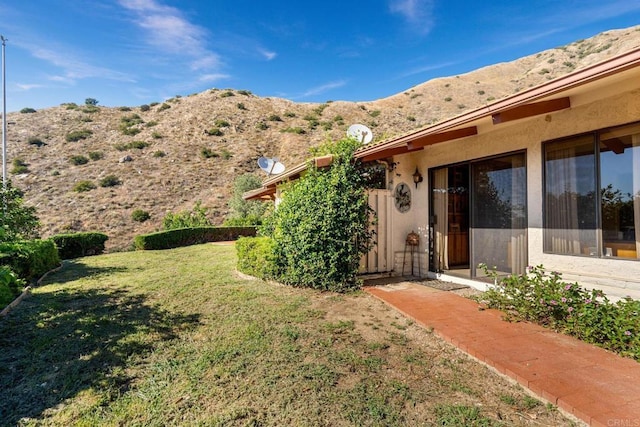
[{"x": 549, "y": 175}]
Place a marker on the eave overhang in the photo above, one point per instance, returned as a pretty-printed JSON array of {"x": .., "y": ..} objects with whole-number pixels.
[{"x": 549, "y": 97}]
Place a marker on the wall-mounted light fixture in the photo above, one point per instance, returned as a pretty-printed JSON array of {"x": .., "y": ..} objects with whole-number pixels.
[{"x": 417, "y": 177}]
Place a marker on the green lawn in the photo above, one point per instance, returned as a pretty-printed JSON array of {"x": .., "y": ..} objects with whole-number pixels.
[{"x": 176, "y": 337}]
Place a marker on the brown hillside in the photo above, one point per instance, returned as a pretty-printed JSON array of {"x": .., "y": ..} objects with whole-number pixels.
[{"x": 236, "y": 128}]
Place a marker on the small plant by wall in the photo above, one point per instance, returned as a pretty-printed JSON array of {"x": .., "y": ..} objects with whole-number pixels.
[{"x": 543, "y": 297}]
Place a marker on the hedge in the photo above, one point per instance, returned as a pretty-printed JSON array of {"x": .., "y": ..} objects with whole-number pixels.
[
  {"x": 190, "y": 236},
  {"x": 77, "y": 245},
  {"x": 30, "y": 259},
  {"x": 256, "y": 256}
]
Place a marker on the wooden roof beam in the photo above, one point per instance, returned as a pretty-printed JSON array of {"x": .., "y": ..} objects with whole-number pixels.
[
  {"x": 436, "y": 138},
  {"x": 387, "y": 152},
  {"x": 530, "y": 110}
]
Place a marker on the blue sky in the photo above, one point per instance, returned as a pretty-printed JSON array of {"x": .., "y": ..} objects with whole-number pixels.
[{"x": 133, "y": 52}]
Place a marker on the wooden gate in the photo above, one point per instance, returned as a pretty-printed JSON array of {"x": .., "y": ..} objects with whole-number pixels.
[{"x": 380, "y": 257}]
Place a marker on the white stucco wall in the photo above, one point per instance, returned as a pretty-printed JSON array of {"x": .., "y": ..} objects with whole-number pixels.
[{"x": 593, "y": 111}]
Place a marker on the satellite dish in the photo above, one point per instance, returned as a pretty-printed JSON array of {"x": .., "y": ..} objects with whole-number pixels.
[
  {"x": 361, "y": 133},
  {"x": 270, "y": 166}
]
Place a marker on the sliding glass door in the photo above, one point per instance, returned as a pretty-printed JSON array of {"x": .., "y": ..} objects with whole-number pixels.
[
  {"x": 499, "y": 215},
  {"x": 478, "y": 215}
]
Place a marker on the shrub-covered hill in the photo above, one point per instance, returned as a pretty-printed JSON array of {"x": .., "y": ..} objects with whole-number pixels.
[{"x": 88, "y": 168}]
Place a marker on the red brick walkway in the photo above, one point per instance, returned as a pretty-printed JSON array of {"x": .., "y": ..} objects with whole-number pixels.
[{"x": 595, "y": 385}]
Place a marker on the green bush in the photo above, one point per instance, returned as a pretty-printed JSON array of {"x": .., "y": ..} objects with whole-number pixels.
[
  {"x": 79, "y": 244},
  {"x": 241, "y": 106},
  {"x": 197, "y": 217},
  {"x": 83, "y": 186},
  {"x": 274, "y": 118},
  {"x": 30, "y": 259},
  {"x": 19, "y": 166},
  {"x": 124, "y": 109},
  {"x": 139, "y": 145},
  {"x": 10, "y": 286},
  {"x": 145, "y": 107},
  {"x": 78, "y": 160},
  {"x": 208, "y": 153},
  {"x": 77, "y": 135},
  {"x": 164, "y": 106},
  {"x": 140, "y": 215},
  {"x": 95, "y": 155},
  {"x": 110, "y": 181},
  {"x": 179, "y": 237},
  {"x": 214, "y": 132},
  {"x": 17, "y": 221},
  {"x": 36, "y": 141},
  {"x": 221, "y": 123},
  {"x": 321, "y": 227},
  {"x": 256, "y": 256},
  {"x": 544, "y": 298},
  {"x": 227, "y": 94},
  {"x": 159, "y": 153},
  {"x": 91, "y": 101},
  {"x": 27, "y": 110},
  {"x": 245, "y": 212},
  {"x": 298, "y": 130}
]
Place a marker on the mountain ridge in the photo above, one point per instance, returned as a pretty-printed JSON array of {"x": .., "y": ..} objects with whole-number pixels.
[{"x": 166, "y": 156}]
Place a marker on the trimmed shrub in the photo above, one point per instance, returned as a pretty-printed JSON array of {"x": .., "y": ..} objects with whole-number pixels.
[
  {"x": 255, "y": 256},
  {"x": 77, "y": 245},
  {"x": 140, "y": 216},
  {"x": 190, "y": 236},
  {"x": 30, "y": 259}
]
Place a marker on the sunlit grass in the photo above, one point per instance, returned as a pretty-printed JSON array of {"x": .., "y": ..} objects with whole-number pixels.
[{"x": 178, "y": 338}]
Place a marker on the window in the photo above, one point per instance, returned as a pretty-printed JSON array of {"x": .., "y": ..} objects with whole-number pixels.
[{"x": 592, "y": 194}]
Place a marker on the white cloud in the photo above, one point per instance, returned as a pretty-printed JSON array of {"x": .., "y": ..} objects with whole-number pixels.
[
  {"x": 26, "y": 87},
  {"x": 426, "y": 68},
  {"x": 213, "y": 77},
  {"x": 268, "y": 55},
  {"x": 73, "y": 68},
  {"x": 417, "y": 13},
  {"x": 170, "y": 32},
  {"x": 324, "y": 88}
]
